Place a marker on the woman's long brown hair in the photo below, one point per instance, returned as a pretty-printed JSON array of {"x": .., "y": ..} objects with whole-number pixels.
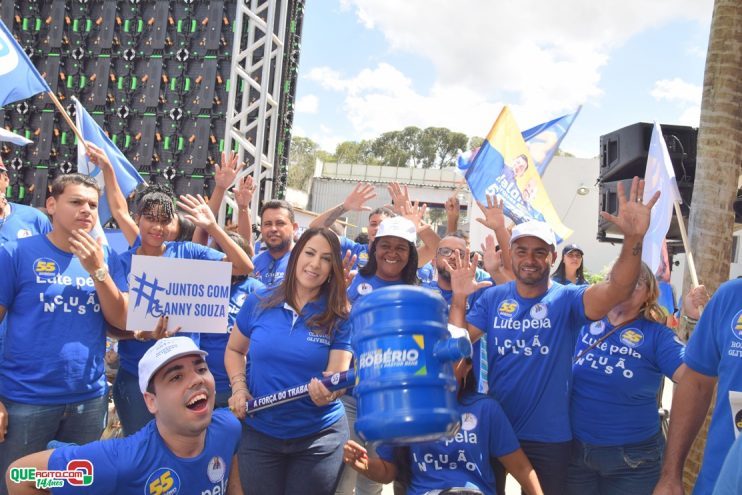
[{"x": 326, "y": 322}]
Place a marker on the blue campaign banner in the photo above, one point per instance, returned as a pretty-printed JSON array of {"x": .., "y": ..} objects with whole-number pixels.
[
  {"x": 19, "y": 79},
  {"x": 126, "y": 175},
  {"x": 544, "y": 139}
]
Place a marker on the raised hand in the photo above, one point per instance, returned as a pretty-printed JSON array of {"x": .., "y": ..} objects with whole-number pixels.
[
  {"x": 88, "y": 250},
  {"x": 244, "y": 191},
  {"x": 348, "y": 262},
  {"x": 633, "y": 215},
  {"x": 415, "y": 213},
  {"x": 97, "y": 156},
  {"x": 225, "y": 174},
  {"x": 197, "y": 210},
  {"x": 358, "y": 196},
  {"x": 400, "y": 196},
  {"x": 494, "y": 213},
  {"x": 463, "y": 275}
]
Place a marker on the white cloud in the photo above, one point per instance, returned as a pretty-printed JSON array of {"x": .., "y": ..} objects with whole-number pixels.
[
  {"x": 691, "y": 116},
  {"x": 676, "y": 90},
  {"x": 543, "y": 57},
  {"x": 307, "y": 104}
]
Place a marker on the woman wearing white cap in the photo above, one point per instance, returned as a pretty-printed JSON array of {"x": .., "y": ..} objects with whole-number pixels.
[
  {"x": 462, "y": 461},
  {"x": 392, "y": 259}
]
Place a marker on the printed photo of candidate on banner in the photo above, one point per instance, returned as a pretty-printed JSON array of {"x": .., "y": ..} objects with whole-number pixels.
[
  {"x": 503, "y": 167},
  {"x": 193, "y": 294}
]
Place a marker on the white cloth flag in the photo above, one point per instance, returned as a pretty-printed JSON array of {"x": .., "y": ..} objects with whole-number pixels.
[
  {"x": 12, "y": 137},
  {"x": 659, "y": 176}
]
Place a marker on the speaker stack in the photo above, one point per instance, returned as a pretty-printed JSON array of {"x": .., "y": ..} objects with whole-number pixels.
[{"x": 623, "y": 155}]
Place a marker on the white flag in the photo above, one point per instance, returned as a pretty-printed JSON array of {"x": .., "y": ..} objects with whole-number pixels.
[
  {"x": 12, "y": 137},
  {"x": 659, "y": 176}
]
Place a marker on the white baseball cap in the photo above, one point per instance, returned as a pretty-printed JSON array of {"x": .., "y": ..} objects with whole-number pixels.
[
  {"x": 164, "y": 351},
  {"x": 397, "y": 227},
  {"x": 534, "y": 228}
]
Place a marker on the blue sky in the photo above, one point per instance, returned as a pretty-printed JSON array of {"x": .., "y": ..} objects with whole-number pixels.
[{"x": 371, "y": 66}]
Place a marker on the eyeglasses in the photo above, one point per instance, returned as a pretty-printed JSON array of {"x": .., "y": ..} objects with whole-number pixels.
[{"x": 445, "y": 252}]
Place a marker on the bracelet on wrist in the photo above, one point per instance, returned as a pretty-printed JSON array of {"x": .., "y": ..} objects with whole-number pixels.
[{"x": 689, "y": 320}]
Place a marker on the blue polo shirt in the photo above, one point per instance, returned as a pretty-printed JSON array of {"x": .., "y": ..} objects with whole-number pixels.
[
  {"x": 131, "y": 351},
  {"x": 362, "y": 286},
  {"x": 715, "y": 349},
  {"x": 142, "y": 463},
  {"x": 463, "y": 460},
  {"x": 530, "y": 344},
  {"x": 269, "y": 270},
  {"x": 614, "y": 392},
  {"x": 355, "y": 248},
  {"x": 216, "y": 343},
  {"x": 56, "y": 337},
  {"x": 285, "y": 353}
]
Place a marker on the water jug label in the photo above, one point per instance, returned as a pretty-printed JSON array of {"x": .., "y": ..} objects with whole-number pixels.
[{"x": 397, "y": 354}]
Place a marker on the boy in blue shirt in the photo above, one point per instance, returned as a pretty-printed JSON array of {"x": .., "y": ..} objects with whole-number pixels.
[
  {"x": 531, "y": 327},
  {"x": 187, "y": 448},
  {"x": 58, "y": 292}
]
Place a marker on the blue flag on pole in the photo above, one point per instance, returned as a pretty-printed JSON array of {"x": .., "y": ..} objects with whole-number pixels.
[
  {"x": 126, "y": 175},
  {"x": 503, "y": 168},
  {"x": 19, "y": 79},
  {"x": 544, "y": 139}
]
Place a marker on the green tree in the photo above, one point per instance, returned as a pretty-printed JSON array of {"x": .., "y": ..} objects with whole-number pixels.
[
  {"x": 392, "y": 149},
  {"x": 355, "y": 152},
  {"x": 439, "y": 146},
  {"x": 302, "y": 157}
]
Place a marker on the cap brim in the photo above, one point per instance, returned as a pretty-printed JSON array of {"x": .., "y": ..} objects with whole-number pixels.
[{"x": 174, "y": 357}]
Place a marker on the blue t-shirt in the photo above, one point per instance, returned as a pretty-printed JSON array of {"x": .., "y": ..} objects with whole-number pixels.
[
  {"x": 530, "y": 344},
  {"x": 566, "y": 281},
  {"x": 730, "y": 476},
  {"x": 142, "y": 463},
  {"x": 360, "y": 250},
  {"x": 216, "y": 343},
  {"x": 362, "y": 286},
  {"x": 464, "y": 459},
  {"x": 426, "y": 273},
  {"x": 269, "y": 270},
  {"x": 56, "y": 336},
  {"x": 285, "y": 353},
  {"x": 715, "y": 349},
  {"x": 614, "y": 389},
  {"x": 131, "y": 351},
  {"x": 23, "y": 222}
]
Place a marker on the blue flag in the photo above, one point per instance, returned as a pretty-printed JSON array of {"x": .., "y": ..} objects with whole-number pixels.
[
  {"x": 19, "y": 79},
  {"x": 544, "y": 139},
  {"x": 126, "y": 175}
]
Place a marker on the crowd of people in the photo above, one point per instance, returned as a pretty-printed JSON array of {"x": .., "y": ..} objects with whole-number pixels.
[{"x": 560, "y": 391}]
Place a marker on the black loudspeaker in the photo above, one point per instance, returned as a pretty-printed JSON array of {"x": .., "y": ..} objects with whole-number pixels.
[
  {"x": 623, "y": 153},
  {"x": 608, "y": 197}
]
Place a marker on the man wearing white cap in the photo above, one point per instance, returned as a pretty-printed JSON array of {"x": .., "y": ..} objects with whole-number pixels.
[
  {"x": 187, "y": 448},
  {"x": 532, "y": 325}
]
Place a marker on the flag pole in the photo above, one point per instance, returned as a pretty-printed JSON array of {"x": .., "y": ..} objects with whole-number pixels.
[
  {"x": 686, "y": 245},
  {"x": 67, "y": 118}
]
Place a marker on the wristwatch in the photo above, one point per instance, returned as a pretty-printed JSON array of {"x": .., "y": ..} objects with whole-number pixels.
[{"x": 100, "y": 274}]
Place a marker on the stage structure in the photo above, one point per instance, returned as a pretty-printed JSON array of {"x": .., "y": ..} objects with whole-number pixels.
[{"x": 173, "y": 83}]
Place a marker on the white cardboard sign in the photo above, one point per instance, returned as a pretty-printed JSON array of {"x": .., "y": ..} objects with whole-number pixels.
[{"x": 194, "y": 294}]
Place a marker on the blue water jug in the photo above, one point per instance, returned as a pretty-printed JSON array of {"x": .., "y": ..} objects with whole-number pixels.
[{"x": 405, "y": 388}]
